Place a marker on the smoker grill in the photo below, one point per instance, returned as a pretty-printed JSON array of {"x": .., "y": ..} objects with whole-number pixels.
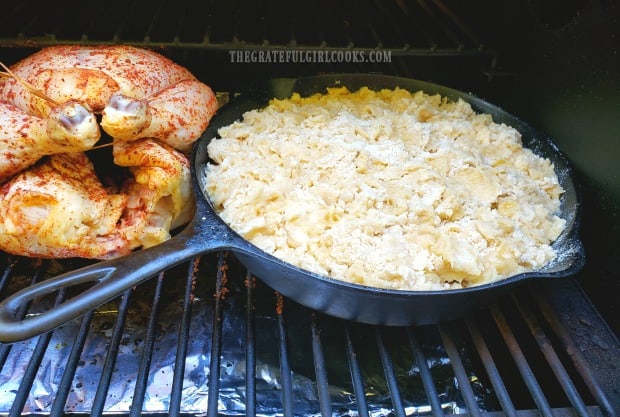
[{"x": 208, "y": 338}]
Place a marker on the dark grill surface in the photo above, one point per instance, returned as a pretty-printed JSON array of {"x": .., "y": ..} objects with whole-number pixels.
[
  {"x": 207, "y": 338},
  {"x": 261, "y": 354},
  {"x": 422, "y": 26}
]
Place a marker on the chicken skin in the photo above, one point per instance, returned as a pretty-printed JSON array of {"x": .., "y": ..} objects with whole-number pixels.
[
  {"x": 52, "y": 202},
  {"x": 140, "y": 93},
  {"x": 24, "y": 138},
  {"x": 159, "y": 193},
  {"x": 165, "y": 115},
  {"x": 59, "y": 209}
]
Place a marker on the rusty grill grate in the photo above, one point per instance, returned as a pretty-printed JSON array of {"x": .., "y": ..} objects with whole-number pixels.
[{"x": 261, "y": 354}]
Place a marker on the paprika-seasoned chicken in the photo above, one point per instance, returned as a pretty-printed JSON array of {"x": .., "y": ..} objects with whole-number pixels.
[
  {"x": 139, "y": 92},
  {"x": 60, "y": 209},
  {"x": 176, "y": 115},
  {"x": 52, "y": 204},
  {"x": 24, "y": 138},
  {"x": 159, "y": 191}
]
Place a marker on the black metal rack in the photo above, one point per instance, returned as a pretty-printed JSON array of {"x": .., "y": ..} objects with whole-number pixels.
[
  {"x": 517, "y": 357},
  {"x": 407, "y": 27},
  {"x": 201, "y": 35}
]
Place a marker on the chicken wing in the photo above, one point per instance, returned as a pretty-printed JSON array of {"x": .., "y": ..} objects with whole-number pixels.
[
  {"x": 176, "y": 115},
  {"x": 159, "y": 190}
]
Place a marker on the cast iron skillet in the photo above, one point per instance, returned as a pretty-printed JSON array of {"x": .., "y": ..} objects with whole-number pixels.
[{"x": 207, "y": 233}]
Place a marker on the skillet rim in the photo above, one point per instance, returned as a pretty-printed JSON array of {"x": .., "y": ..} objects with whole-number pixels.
[{"x": 258, "y": 93}]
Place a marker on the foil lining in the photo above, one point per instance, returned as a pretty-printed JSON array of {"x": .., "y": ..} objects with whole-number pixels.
[{"x": 232, "y": 395}]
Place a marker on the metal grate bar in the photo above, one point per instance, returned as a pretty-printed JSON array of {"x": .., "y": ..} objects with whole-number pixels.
[
  {"x": 407, "y": 28},
  {"x": 521, "y": 362},
  {"x": 489, "y": 365},
  {"x": 512, "y": 327},
  {"x": 250, "y": 349},
  {"x": 127, "y": 12},
  {"x": 441, "y": 5},
  {"x": 390, "y": 377},
  {"x": 574, "y": 353},
  {"x": 459, "y": 371},
  {"x": 320, "y": 369},
  {"x": 356, "y": 376},
  {"x": 154, "y": 19},
  {"x": 147, "y": 354},
  {"x": 5, "y": 349},
  {"x": 60, "y": 400},
  {"x": 286, "y": 374},
  {"x": 439, "y": 23},
  {"x": 110, "y": 361},
  {"x": 88, "y": 19},
  {"x": 421, "y": 31},
  {"x": 216, "y": 336},
  {"x": 552, "y": 358},
  {"x": 183, "y": 341},
  {"x": 425, "y": 374},
  {"x": 33, "y": 366},
  {"x": 181, "y": 22},
  {"x": 4, "y": 279}
]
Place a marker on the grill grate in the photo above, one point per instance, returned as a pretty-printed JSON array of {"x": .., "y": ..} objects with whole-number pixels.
[
  {"x": 408, "y": 27},
  {"x": 515, "y": 358},
  {"x": 424, "y": 39}
]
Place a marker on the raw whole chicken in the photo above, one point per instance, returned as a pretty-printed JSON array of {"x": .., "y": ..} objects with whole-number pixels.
[{"x": 52, "y": 204}]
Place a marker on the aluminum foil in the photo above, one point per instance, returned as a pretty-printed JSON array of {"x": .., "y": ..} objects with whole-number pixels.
[{"x": 232, "y": 395}]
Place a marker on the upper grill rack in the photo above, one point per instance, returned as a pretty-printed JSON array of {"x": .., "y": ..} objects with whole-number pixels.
[
  {"x": 406, "y": 27},
  {"x": 224, "y": 344}
]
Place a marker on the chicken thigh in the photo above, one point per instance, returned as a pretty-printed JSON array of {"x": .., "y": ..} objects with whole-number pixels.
[{"x": 59, "y": 209}]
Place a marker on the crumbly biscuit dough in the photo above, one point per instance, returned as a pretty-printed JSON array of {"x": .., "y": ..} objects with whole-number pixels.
[{"x": 388, "y": 189}]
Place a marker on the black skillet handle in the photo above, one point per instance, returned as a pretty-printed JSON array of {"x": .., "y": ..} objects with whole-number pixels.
[{"x": 111, "y": 278}]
